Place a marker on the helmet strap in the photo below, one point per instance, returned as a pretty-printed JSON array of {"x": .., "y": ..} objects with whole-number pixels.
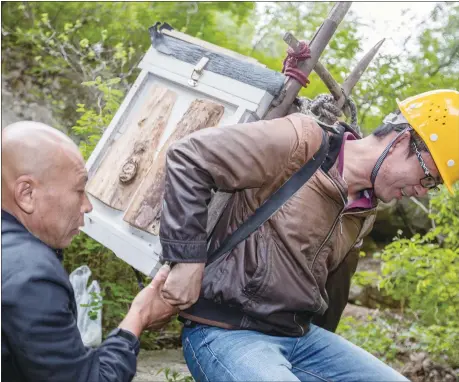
[{"x": 383, "y": 156}]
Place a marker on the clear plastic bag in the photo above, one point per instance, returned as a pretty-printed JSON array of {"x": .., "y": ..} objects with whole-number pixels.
[{"x": 89, "y": 306}]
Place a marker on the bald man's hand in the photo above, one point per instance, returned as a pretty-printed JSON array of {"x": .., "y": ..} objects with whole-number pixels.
[{"x": 149, "y": 311}]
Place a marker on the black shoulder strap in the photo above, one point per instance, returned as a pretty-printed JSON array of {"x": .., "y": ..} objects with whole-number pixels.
[
  {"x": 335, "y": 143},
  {"x": 275, "y": 201}
]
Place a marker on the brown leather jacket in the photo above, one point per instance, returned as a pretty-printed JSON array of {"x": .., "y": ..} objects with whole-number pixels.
[{"x": 296, "y": 268}]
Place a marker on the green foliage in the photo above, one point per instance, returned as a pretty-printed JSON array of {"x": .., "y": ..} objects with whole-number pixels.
[
  {"x": 50, "y": 48},
  {"x": 428, "y": 62},
  {"x": 92, "y": 122},
  {"x": 421, "y": 272},
  {"x": 365, "y": 278},
  {"x": 392, "y": 337},
  {"x": 95, "y": 305},
  {"x": 438, "y": 340},
  {"x": 57, "y": 58},
  {"x": 389, "y": 337},
  {"x": 424, "y": 274},
  {"x": 174, "y": 376},
  {"x": 445, "y": 214},
  {"x": 374, "y": 335}
]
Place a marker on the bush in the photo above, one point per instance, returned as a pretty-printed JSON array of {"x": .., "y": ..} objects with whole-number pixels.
[
  {"x": 92, "y": 122},
  {"x": 422, "y": 273},
  {"x": 375, "y": 335}
]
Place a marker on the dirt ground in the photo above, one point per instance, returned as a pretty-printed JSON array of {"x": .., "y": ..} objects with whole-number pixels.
[{"x": 151, "y": 362}]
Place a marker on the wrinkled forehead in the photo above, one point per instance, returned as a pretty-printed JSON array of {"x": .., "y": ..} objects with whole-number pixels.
[
  {"x": 81, "y": 174},
  {"x": 69, "y": 165}
]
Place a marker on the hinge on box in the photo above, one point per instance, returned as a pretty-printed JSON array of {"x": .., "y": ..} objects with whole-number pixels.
[{"x": 197, "y": 71}]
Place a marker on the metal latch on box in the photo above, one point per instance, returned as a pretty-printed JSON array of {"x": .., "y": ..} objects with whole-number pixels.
[{"x": 197, "y": 71}]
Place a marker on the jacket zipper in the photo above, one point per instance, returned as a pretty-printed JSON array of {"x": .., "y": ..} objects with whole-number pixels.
[{"x": 338, "y": 218}]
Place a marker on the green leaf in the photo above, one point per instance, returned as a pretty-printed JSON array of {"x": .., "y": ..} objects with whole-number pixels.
[
  {"x": 44, "y": 18},
  {"x": 84, "y": 43}
]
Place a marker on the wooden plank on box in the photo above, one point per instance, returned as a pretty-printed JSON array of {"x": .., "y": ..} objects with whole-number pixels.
[
  {"x": 145, "y": 209},
  {"x": 124, "y": 167}
]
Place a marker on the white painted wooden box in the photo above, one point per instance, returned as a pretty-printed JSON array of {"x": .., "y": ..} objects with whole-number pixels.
[{"x": 238, "y": 88}]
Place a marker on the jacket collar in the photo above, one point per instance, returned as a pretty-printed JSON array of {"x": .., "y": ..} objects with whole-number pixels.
[
  {"x": 6, "y": 216},
  {"x": 367, "y": 200}
]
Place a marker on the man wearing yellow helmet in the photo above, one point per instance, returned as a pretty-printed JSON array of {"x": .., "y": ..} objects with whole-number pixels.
[
  {"x": 266, "y": 309},
  {"x": 435, "y": 117},
  {"x": 427, "y": 128}
]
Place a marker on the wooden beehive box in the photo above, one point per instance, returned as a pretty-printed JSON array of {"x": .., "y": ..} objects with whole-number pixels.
[{"x": 185, "y": 85}]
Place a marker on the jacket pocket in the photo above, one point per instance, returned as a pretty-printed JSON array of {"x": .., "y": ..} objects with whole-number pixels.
[
  {"x": 256, "y": 299},
  {"x": 257, "y": 282},
  {"x": 240, "y": 276}
]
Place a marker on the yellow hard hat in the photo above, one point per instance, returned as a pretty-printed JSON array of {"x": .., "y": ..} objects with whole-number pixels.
[{"x": 434, "y": 116}]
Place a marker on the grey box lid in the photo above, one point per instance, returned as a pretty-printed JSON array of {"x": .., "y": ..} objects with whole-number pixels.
[{"x": 221, "y": 61}]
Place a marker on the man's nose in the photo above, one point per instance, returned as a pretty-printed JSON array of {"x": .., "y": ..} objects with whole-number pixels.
[
  {"x": 87, "y": 206},
  {"x": 421, "y": 191}
]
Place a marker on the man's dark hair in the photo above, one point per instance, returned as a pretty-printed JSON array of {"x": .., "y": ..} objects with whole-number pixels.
[{"x": 386, "y": 128}]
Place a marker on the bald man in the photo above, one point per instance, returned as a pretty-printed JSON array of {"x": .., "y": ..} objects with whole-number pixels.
[{"x": 43, "y": 204}]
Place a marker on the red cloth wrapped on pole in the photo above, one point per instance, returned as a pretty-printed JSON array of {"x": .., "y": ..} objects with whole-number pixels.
[{"x": 290, "y": 65}]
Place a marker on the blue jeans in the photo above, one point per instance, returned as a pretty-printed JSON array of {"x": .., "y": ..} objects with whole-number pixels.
[{"x": 214, "y": 354}]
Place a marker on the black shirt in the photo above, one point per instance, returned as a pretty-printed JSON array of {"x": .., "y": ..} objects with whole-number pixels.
[{"x": 40, "y": 337}]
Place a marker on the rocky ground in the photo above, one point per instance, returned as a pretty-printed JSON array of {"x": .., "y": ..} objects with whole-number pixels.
[{"x": 152, "y": 365}]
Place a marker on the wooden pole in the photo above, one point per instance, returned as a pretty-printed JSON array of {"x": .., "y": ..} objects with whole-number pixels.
[
  {"x": 360, "y": 68},
  {"x": 329, "y": 81},
  {"x": 317, "y": 46},
  {"x": 335, "y": 89}
]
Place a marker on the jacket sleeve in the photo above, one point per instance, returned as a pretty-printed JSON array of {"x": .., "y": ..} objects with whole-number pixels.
[
  {"x": 338, "y": 286},
  {"x": 227, "y": 158},
  {"x": 45, "y": 342}
]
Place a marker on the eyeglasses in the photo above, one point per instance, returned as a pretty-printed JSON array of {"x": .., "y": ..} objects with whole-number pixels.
[{"x": 429, "y": 182}]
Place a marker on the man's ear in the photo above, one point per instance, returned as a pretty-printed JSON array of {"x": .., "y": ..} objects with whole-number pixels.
[{"x": 25, "y": 193}]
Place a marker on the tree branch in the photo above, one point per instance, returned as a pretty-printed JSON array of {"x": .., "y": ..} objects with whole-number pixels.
[{"x": 455, "y": 54}]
